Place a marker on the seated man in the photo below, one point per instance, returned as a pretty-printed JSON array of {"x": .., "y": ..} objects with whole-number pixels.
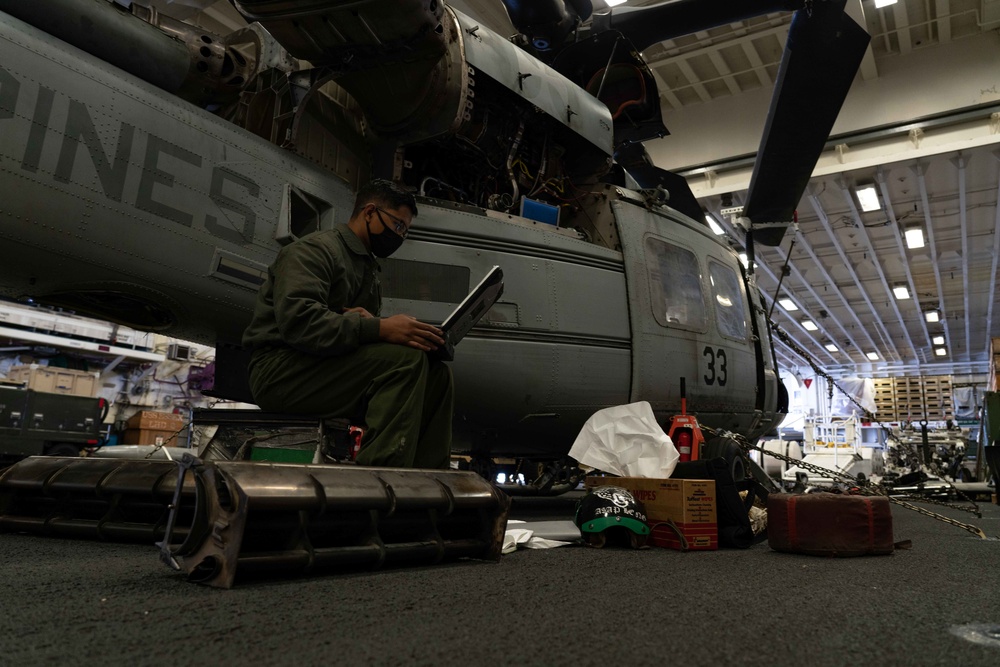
[{"x": 320, "y": 347}]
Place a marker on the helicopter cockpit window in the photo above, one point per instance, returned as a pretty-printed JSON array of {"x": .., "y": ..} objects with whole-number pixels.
[
  {"x": 675, "y": 286},
  {"x": 728, "y": 301}
]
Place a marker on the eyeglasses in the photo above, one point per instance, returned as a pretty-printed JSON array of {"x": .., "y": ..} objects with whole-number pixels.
[{"x": 398, "y": 225}]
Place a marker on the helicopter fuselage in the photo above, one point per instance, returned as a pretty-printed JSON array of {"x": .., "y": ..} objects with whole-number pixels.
[{"x": 127, "y": 203}]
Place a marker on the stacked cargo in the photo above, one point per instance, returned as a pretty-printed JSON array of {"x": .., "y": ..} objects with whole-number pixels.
[
  {"x": 915, "y": 398},
  {"x": 909, "y": 399},
  {"x": 938, "y": 398},
  {"x": 885, "y": 397}
]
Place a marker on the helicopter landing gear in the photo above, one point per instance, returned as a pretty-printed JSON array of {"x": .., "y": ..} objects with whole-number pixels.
[
  {"x": 728, "y": 449},
  {"x": 527, "y": 477}
]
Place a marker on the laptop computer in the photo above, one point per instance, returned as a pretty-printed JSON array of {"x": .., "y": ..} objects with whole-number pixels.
[{"x": 469, "y": 312}]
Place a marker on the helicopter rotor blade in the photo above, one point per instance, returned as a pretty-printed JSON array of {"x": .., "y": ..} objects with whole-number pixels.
[{"x": 822, "y": 55}]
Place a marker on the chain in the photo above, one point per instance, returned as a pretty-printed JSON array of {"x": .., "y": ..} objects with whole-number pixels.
[
  {"x": 864, "y": 487},
  {"x": 940, "y": 517},
  {"x": 909, "y": 449},
  {"x": 160, "y": 445}
]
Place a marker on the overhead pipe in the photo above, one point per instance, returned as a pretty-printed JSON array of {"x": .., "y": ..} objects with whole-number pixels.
[
  {"x": 194, "y": 64},
  {"x": 111, "y": 33}
]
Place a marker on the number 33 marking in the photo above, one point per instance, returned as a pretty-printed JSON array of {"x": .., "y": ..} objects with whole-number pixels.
[{"x": 715, "y": 373}]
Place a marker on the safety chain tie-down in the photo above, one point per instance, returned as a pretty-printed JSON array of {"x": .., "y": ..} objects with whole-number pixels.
[
  {"x": 909, "y": 448},
  {"x": 865, "y": 487}
]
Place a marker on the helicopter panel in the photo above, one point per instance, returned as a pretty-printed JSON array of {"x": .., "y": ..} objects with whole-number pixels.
[
  {"x": 676, "y": 315},
  {"x": 536, "y": 82},
  {"x": 554, "y": 349},
  {"x": 132, "y": 206}
]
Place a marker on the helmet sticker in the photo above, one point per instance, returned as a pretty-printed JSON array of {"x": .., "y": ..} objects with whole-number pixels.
[
  {"x": 621, "y": 504},
  {"x": 617, "y": 495}
]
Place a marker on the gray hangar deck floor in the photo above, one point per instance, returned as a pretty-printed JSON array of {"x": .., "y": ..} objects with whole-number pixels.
[{"x": 90, "y": 603}]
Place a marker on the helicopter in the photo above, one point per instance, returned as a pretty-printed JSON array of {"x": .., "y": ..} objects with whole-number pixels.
[{"x": 153, "y": 170}]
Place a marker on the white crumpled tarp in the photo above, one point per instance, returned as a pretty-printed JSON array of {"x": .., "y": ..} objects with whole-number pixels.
[{"x": 625, "y": 440}]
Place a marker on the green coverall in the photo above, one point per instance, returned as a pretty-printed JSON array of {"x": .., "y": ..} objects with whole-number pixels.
[{"x": 311, "y": 359}]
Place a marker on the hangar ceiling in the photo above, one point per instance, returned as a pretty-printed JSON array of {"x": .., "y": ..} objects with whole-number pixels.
[
  {"x": 922, "y": 124},
  {"x": 935, "y": 168}
]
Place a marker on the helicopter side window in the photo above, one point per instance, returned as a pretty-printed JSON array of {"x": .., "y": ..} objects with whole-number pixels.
[
  {"x": 728, "y": 301},
  {"x": 675, "y": 286}
]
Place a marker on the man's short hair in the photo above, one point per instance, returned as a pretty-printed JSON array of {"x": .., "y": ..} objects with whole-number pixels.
[{"x": 384, "y": 194}]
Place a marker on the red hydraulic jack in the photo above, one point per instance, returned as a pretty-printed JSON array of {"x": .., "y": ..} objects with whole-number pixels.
[{"x": 685, "y": 432}]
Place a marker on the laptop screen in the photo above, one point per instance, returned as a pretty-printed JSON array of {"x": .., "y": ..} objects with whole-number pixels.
[{"x": 469, "y": 312}]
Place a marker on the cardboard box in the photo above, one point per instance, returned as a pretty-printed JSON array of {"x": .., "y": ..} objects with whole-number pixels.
[
  {"x": 155, "y": 421},
  {"x": 142, "y": 436},
  {"x": 689, "y": 503}
]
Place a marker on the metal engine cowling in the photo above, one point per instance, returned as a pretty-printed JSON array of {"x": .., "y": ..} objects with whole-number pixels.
[
  {"x": 259, "y": 518},
  {"x": 117, "y": 500},
  {"x": 297, "y": 519}
]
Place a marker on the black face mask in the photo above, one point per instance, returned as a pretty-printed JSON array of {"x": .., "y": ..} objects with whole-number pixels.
[{"x": 383, "y": 244}]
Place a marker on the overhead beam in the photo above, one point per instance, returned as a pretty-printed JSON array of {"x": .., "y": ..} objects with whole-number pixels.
[
  {"x": 693, "y": 81},
  {"x": 868, "y": 70},
  {"x": 942, "y": 8},
  {"x": 963, "y": 223},
  {"x": 993, "y": 283},
  {"x": 880, "y": 178},
  {"x": 860, "y": 153},
  {"x": 757, "y": 64},
  {"x": 919, "y": 170},
  {"x": 889, "y": 349},
  {"x": 902, "y": 20},
  {"x": 863, "y": 233},
  {"x": 727, "y": 74},
  {"x": 804, "y": 245},
  {"x": 665, "y": 91},
  {"x": 811, "y": 313}
]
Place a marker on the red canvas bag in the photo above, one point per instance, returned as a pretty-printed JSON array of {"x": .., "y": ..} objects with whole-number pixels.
[{"x": 829, "y": 524}]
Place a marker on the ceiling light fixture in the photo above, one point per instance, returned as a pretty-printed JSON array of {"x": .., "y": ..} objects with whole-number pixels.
[
  {"x": 788, "y": 304},
  {"x": 879, "y": 4},
  {"x": 932, "y": 316},
  {"x": 914, "y": 237},
  {"x": 809, "y": 325},
  {"x": 613, "y": 3},
  {"x": 900, "y": 291},
  {"x": 937, "y": 340},
  {"x": 941, "y": 352},
  {"x": 716, "y": 227},
  {"x": 867, "y": 197},
  {"x": 873, "y": 356},
  {"x": 830, "y": 347}
]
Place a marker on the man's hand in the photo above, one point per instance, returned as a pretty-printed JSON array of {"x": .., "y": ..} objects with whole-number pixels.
[{"x": 409, "y": 331}]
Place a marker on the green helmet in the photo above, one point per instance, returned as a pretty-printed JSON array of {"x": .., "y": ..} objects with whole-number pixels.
[{"x": 611, "y": 507}]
